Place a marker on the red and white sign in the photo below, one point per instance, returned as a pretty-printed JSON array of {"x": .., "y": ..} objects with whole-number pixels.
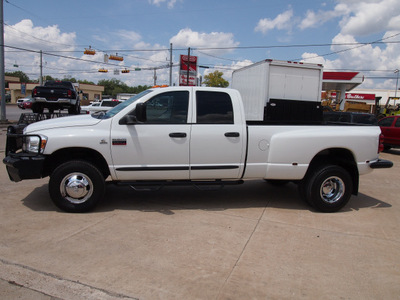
[
  {"x": 183, "y": 70},
  {"x": 192, "y": 80},
  {"x": 357, "y": 97},
  {"x": 192, "y": 64}
]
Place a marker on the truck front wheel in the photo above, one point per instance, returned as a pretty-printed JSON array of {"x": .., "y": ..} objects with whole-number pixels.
[
  {"x": 76, "y": 186},
  {"x": 328, "y": 188}
]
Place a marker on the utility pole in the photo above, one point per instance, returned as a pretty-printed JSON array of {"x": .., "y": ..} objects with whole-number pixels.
[
  {"x": 2, "y": 77},
  {"x": 41, "y": 68},
  {"x": 155, "y": 76},
  {"x": 188, "y": 66},
  {"x": 170, "y": 64},
  {"x": 397, "y": 82}
]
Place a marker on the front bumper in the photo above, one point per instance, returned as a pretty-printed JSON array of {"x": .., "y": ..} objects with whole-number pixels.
[
  {"x": 381, "y": 164},
  {"x": 22, "y": 166}
]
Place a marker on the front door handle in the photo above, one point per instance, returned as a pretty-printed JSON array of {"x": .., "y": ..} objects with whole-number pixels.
[
  {"x": 178, "y": 134},
  {"x": 232, "y": 134}
]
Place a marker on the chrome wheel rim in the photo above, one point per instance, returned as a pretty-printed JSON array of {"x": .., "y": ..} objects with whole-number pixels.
[
  {"x": 332, "y": 189},
  {"x": 76, "y": 188}
]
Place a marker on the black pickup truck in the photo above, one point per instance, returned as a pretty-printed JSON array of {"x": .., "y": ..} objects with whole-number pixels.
[{"x": 56, "y": 95}]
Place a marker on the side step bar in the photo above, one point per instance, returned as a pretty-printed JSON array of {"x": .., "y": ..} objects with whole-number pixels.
[{"x": 158, "y": 184}]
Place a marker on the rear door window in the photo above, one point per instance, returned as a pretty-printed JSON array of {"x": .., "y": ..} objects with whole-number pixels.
[{"x": 214, "y": 108}]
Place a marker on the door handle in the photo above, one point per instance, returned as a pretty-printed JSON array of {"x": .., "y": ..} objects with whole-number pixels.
[
  {"x": 232, "y": 134},
  {"x": 177, "y": 134}
]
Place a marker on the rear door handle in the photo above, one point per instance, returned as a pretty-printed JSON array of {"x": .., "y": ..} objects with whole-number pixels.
[
  {"x": 232, "y": 134},
  {"x": 177, "y": 134}
]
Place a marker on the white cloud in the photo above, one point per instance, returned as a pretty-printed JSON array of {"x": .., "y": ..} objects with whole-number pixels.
[
  {"x": 170, "y": 3},
  {"x": 370, "y": 17},
  {"x": 24, "y": 34},
  {"x": 360, "y": 19},
  {"x": 128, "y": 37},
  {"x": 188, "y": 38},
  {"x": 315, "y": 19},
  {"x": 282, "y": 22}
]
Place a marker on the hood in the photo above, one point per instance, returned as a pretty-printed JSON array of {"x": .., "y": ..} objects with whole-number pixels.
[{"x": 62, "y": 122}]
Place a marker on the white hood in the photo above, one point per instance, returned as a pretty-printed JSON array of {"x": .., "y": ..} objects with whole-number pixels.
[{"x": 62, "y": 122}]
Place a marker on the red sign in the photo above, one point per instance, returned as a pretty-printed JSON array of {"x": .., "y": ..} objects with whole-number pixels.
[
  {"x": 353, "y": 96},
  {"x": 356, "y": 96},
  {"x": 183, "y": 72},
  {"x": 192, "y": 64}
]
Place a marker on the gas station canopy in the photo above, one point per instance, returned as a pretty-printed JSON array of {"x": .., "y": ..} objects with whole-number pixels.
[{"x": 341, "y": 81}]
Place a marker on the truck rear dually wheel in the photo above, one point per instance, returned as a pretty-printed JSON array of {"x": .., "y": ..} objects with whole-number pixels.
[
  {"x": 76, "y": 186},
  {"x": 328, "y": 188}
]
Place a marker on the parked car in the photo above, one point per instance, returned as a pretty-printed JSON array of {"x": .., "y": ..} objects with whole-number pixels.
[
  {"x": 349, "y": 117},
  {"x": 103, "y": 105},
  {"x": 20, "y": 102},
  {"x": 390, "y": 127}
]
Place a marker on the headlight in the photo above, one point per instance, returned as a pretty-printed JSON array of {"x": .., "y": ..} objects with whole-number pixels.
[{"x": 34, "y": 143}]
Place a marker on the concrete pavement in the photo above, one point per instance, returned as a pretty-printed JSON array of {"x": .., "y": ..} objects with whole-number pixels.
[{"x": 253, "y": 241}]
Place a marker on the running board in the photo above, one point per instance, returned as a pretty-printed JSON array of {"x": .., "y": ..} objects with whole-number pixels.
[{"x": 158, "y": 184}]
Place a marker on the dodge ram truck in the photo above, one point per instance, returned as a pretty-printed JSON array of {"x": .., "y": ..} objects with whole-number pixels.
[
  {"x": 56, "y": 95},
  {"x": 190, "y": 135}
]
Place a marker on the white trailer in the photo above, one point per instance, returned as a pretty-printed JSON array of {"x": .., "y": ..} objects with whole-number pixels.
[{"x": 280, "y": 91}]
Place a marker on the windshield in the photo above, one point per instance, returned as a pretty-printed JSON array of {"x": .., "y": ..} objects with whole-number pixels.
[{"x": 112, "y": 112}]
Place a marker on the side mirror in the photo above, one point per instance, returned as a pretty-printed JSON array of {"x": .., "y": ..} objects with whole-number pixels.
[
  {"x": 139, "y": 117},
  {"x": 128, "y": 120},
  {"x": 140, "y": 110}
]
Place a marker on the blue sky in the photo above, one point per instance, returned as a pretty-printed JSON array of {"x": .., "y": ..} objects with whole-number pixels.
[{"x": 225, "y": 35}]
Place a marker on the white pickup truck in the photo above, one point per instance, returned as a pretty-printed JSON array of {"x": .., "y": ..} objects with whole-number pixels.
[
  {"x": 103, "y": 105},
  {"x": 189, "y": 135}
]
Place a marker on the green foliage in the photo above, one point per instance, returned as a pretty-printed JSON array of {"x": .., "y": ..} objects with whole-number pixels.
[
  {"x": 114, "y": 86},
  {"x": 21, "y": 75},
  {"x": 111, "y": 86},
  {"x": 70, "y": 79},
  {"x": 48, "y": 77},
  {"x": 86, "y": 82},
  {"x": 215, "y": 80}
]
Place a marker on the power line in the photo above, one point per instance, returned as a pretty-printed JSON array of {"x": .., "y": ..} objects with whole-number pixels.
[{"x": 380, "y": 41}]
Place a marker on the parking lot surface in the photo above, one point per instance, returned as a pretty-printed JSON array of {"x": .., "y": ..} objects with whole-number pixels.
[{"x": 253, "y": 241}]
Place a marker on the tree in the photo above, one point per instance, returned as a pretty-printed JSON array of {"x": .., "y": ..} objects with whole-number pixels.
[
  {"x": 47, "y": 78},
  {"x": 215, "y": 80},
  {"x": 86, "y": 81},
  {"x": 114, "y": 86},
  {"x": 21, "y": 75}
]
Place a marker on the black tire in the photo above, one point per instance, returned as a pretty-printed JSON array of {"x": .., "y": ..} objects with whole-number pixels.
[
  {"x": 328, "y": 188},
  {"x": 76, "y": 186},
  {"x": 75, "y": 110},
  {"x": 37, "y": 108}
]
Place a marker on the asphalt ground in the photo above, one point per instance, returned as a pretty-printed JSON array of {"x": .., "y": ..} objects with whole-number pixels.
[{"x": 253, "y": 241}]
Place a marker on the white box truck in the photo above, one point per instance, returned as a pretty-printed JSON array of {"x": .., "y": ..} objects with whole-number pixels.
[{"x": 280, "y": 91}]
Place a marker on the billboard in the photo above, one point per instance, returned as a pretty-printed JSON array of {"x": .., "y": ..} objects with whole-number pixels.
[{"x": 186, "y": 63}]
